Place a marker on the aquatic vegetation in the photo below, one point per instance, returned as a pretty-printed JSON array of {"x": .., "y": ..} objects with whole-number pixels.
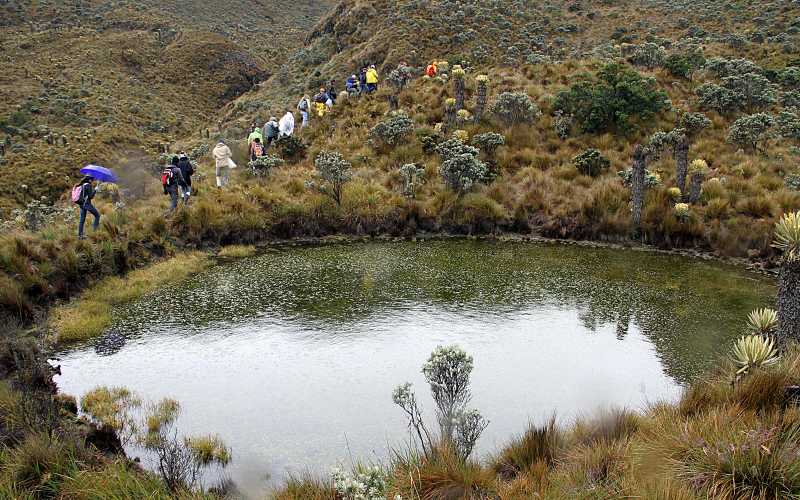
[
  {"x": 237, "y": 251},
  {"x": 113, "y": 408}
]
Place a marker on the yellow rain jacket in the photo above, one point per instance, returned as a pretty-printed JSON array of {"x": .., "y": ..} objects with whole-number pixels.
[{"x": 372, "y": 76}]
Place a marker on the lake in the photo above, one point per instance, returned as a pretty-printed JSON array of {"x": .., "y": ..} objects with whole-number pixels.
[{"x": 291, "y": 356}]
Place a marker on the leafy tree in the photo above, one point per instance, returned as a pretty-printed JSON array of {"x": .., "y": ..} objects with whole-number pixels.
[
  {"x": 460, "y": 166},
  {"x": 718, "y": 98},
  {"x": 789, "y": 77},
  {"x": 515, "y": 107},
  {"x": 610, "y": 101},
  {"x": 722, "y": 67},
  {"x": 648, "y": 55},
  {"x": 693, "y": 123},
  {"x": 751, "y": 130},
  {"x": 488, "y": 142}
]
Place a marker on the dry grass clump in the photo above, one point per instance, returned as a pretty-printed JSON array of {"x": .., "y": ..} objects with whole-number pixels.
[{"x": 236, "y": 251}]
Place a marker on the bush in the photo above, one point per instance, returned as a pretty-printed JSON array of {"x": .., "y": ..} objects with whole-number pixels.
[
  {"x": 651, "y": 180},
  {"x": 263, "y": 165},
  {"x": 718, "y": 98},
  {"x": 488, "y": 142},
  {"x": 755, "y": 91},
  {"x": 393, "y": 130},
  {"x": 648, "y": 55},
  {"x": 683, "y": 65},
  {"x": 461, "y": 172},
  {"x": 515, "y": 107},
  {"x": 789, "y": 125},
  {"x": 722, "y": 67},
  {"x": 335, "y": 171},
  {"x": 591, "y": 162},
  {"x": 749, "y": 131},
  {"x": 290, "y": 148},
  {"x": 618, "y": 94},
  {"x": 693, "y": 123}
]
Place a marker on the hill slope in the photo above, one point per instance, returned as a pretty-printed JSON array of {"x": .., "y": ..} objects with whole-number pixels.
[{"x": 90, "y": 81}]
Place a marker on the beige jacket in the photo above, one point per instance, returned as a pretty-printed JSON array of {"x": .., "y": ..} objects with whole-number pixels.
[{"x": 222, "y": 154}]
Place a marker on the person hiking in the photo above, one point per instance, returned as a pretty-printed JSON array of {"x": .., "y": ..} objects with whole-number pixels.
[
  {"x": 187, "y": 170},
  {"x": 431, "y": 70},
  {"x": 332, "y": 92},
  {"x": 271, "y": 131},
  {"x": 362, "y": 81},
  {"x": 286, "y": 125},
  {"x": 255, "y": 134},
  {"x": 372, "y": 79},
  {"x": 319, "y": 102},
  {"x": 304, "y": 106},
  {"x": 351, "y": 85},
  {"x": 82, "y": 194},
  {"x": 256, "y": 149},
  {"x": 222, "y": 158},
  {"x": 171, "y": 180}
]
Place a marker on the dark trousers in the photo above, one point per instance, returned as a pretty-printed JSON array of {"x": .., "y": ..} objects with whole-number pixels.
[
  {"x": 88, "y": 207},
  {"x": 173, "y": 195}
]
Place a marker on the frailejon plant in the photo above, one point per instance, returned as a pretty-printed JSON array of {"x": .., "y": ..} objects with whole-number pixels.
[
  {"x": 753, "y": 351},
  {"x": 459, "y": 87},
  {"x": 481, "y": 95},
  {"x": 334, "y": 171},
  {"x": 448, "y": 372},
  {"x": 450, "y": 112},
  {"x": 698, "y": 170},
  {"x": 562, "y": 124},
  {"x": 682, "y": 211},
  {"x": 674, "y": 194},
  {"x": 787, "y": 240},
  {"x": 762, "y": 321},
  {"x": 515, "y": 107},
  {"x": 591, "y": 162}
]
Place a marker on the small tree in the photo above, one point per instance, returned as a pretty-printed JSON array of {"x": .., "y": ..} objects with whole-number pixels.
[
  {"x": 754, "y": 89},
  {"x": 787, "y": 240},
  {"x": 515, "y": 107},
  {"x": 749, "y": 131},
  {"x": 718, "y": 98},
  {"x": 648, "y": 55},
  {"x": 335, "y": 171},
  {"x": 263, "y": 165},
  {"x": 447, "y": 371},
  {"x": 591, "y": 162},
  {"x": 789, "y": 125},
  {"x": 488, "y": 142}
]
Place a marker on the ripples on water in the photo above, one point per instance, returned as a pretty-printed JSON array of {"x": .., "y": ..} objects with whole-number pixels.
[{"x": 292, "y": 355}]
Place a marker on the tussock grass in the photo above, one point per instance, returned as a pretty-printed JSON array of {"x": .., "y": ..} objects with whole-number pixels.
[
  {"x": 237, "y": 251},
  {"x": 90, "y": 315}
]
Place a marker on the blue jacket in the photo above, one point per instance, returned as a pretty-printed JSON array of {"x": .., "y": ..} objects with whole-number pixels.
[{"x": 351, "y": 83}]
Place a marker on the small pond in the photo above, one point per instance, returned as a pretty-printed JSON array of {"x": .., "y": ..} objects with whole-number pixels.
[{"x": 292, "y": 355}]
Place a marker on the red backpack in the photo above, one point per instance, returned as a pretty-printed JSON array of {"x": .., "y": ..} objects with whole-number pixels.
[
  {"x": 166, "y": 177},
  {"x": 258, "y": 149}
]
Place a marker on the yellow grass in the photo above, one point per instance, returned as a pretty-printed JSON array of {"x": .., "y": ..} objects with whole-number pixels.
[{"x": 237, "y": 251}]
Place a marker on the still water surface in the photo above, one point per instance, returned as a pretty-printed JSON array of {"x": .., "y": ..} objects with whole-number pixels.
[{"x": 291, "y": 356}]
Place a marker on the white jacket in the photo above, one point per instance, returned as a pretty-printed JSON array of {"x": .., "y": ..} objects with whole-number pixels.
[
  {"x": 222, "y": 154},
  {"x": 286, "y": 125}
]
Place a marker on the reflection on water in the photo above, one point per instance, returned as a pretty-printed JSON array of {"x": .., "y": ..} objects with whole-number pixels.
[{"x": 292, "y": 356}]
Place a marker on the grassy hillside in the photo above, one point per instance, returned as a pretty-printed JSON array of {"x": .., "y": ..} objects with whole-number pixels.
[{"x": 100, "y": 81}]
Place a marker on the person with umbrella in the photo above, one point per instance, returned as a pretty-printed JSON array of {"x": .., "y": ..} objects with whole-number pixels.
[{"x": 85, "y": 192}]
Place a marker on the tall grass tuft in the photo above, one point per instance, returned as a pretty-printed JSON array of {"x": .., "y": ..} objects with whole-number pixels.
[{"x": 538, "y": 445}]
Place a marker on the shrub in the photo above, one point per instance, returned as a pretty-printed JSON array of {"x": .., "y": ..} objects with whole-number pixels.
[
  {"x": 447, "y": 371},
  {"x": 393, "y": 130},
  {"x": 722, "y": 67},
  {"x": 461, "y": 172},
  {"x": 263, "y": 165},
  {"x": 367, "y": 483},
  {"x": 515, "y": 107},
  {"x": 591, "y": 162},
  {"x": 618, "y": 94},
  {"x": 683, "y": 65},
  {"x": 290, "y": 148},
  {"x": 755, "y": 91},
  {"x": 488, "y": 142},
  {"x": 562, "y": 124},
  {"x": 749, "y": 131},
  {"x": 789, "y": 125},
  {"x": 718, "y": 98},
  {"x": 793, "y": 182},
  {"x": 693, "y": 123},
  {"x": 648, "y": 55},
  {"x": 790, "y": 99},
  {"x": 335, "y": 171},
  {"x": 651, "y": 180},
  {"x": 789, "y": 77}
]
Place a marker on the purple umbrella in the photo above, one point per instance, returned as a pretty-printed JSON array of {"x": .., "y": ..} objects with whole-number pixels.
[{"x": 102, "y": 174}]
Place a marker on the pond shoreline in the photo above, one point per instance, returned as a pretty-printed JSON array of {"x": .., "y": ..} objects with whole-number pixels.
[{"x": 762, "y": 267}]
